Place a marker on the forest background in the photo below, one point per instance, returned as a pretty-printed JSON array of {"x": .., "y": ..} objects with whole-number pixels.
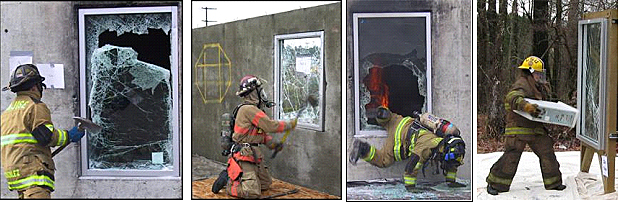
[{"x": 508, "y": 31}]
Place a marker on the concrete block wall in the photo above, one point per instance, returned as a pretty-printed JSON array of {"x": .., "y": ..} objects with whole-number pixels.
[
  {"x": 50, "y": 30},
  {"x": 311, "y": 159},
  {"x": 452, "y": 81}
]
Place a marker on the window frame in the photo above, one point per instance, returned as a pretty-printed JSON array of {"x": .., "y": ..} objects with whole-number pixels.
[
  {"x": 356, "y": 16},
  {"x": 85, "y": 172},
  {"x": 277, "y": 41},
  {"x": 582, "y": 75}
]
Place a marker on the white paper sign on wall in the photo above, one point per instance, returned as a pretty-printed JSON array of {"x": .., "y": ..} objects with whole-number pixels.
[
  {"x": 54, "y": 75},
  {"x": 304, "y": 64},
  {"x": 17, "y": 58}
]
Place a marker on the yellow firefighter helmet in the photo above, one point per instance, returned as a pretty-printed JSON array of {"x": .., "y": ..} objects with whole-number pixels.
[{"x": 533, "y": 63}]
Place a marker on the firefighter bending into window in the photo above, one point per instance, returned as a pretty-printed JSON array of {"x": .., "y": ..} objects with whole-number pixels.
[
  {"x": 27, "y": 135},
  {"x": 422, "y": 139},
  {"x": 520, "y": 131},
  {"x": 246, "y": 176}
]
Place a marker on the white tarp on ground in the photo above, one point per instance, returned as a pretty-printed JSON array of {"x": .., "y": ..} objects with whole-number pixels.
[{"x": 528, "y": 184}]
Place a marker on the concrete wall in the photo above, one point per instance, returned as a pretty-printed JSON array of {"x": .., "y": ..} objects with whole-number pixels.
[
  {"x": 452, "y": 66},
  {"x": 311, "y": 159},
  {"x": 50, "y": 30}
]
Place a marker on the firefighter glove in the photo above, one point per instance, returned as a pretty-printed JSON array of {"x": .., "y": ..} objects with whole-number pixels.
[
  {"x": 532, "y": 109},
  {"x": 275, "y": 145},
  {"x": 75, "y": 134}
]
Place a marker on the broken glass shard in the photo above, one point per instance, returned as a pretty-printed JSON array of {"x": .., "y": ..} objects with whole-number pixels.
[{"x": 131, "y": 100}]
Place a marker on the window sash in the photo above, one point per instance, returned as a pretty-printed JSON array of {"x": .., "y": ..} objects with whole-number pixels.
[
  {"x": 175, "y": 172},
  {"x": 277, "y": 44}
]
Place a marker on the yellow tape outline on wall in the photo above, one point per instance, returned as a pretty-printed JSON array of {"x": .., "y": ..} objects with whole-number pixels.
[{"x": 201, "y": 68}]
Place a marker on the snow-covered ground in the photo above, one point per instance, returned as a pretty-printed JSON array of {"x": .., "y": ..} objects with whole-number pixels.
[{"x": 528, "y": 184}]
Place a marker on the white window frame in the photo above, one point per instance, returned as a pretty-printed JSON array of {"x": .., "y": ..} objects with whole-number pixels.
[
  {"x": 356, "y": 17},
  {"x": 174, "y": 61},
  {"x": 582, "y": 75},
  {"x": 278, "y": 39}
]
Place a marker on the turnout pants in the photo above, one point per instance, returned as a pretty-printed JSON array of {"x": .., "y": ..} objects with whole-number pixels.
[
  {"x": 34, "y": 193},
  {"x": 254, "y": 179},
  {"x": 503, "y": 171},
  {"x": 421, "y": 150}
]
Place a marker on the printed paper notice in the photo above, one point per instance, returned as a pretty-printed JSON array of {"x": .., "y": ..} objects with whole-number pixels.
[
  {"x": 157, "y": 157},
  {"x": 304, "y": 64},
  {"x": 17, "y": 58},
  {"x": 53, "y": 73},
  {"x": 605, "y": 166}
]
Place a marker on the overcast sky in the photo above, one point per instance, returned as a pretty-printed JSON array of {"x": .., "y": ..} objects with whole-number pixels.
[{"x": 228, "y": 11}]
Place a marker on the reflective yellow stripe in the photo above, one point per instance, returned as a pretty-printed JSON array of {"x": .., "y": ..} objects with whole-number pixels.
[
  {"x": 62, "y": 137},
  {"x": 437, "y": 140},
  {"x": 519, "y": 131},
  {"x": 18, "y": 138},
  {"x": 418, "y": 166},
  {"x": 371, "y": 154},
  {"x": 552, "y": 180},
  {"x": 50, "y": 127},
  {"x": 398, "y": 142},
  {"x": 513, "y": 94},
  {"x": 508, "y": 107},
  {"x": 451, "y": 175},
  {"x": 410, "y": 180},
  {"x": 33, "y": 180},
  {"x": 499, "y": 180}
]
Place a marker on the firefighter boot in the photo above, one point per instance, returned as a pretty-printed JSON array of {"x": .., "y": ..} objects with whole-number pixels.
[
  {"x": 493, "y": 191},
  {"x": 559, "y": 188},
  {"x": 220, "y": 182},
  {"x": 455, "y": 184},
  {"x": 359, "y": 150}
]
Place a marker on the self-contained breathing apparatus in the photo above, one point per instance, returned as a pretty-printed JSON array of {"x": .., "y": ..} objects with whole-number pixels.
[{"x": 450, "y": 151}]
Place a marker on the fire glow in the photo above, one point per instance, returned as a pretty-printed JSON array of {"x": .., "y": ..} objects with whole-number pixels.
[{"x": 379, "y": 91}]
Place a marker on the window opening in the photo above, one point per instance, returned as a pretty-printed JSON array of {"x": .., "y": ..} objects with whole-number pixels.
[
  {"x": 298, "y": 74},
  {"x": 128, "y": 84},
  {"x": 592, "y": 64},
  {"x": 392, "y": 66}
]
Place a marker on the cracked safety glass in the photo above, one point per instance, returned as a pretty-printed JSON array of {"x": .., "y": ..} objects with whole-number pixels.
[
  {"x": 301, "y": 72},
  {"x": 129, "y": 91},
  {"x": 391, "y": 67},
  {"x": 592, "y": 82}
]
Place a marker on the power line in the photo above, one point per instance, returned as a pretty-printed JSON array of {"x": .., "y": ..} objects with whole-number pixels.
[{"x": 206, "y": 21}]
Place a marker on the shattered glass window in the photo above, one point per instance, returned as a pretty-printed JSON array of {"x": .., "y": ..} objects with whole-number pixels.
[
  {"x": 591, "y": 116},
  {"x": 391, "y": 65},
  {"x": 129, "y": 91},
  {"x": 300, "y": 76}
]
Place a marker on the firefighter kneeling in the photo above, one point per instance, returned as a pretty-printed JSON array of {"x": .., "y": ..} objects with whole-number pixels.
[
  {"x": 246, "y": 176},
  {"x": 422, "y": 140}
]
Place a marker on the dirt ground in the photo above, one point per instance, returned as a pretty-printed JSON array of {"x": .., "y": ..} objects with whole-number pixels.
[
  {"x": 201, "y": 189},
  {"x": 204, "y": 172}
]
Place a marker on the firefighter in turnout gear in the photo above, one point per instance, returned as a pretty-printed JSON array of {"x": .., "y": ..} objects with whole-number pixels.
[
  {"x": 27, "y": 135},
  {"x": 520, "y": 131},
  {"x": 409, "y": 138},
  {"x": 246, "y": 175}
]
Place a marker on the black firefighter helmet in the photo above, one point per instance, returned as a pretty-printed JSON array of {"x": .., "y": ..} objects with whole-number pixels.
[{"x": 24, "y": 77}]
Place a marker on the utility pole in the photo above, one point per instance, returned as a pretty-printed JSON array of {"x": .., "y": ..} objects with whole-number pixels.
[{"x": 206, "y": 15}]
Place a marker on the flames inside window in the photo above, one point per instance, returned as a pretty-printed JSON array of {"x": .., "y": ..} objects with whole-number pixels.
[{"x": 392, "y": 62}]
